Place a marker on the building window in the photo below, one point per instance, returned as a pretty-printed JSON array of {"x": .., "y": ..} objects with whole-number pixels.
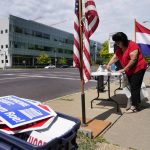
[
  {"x": 1, "y": 46},
  {"x": 60, "y": 50},
  {"x": 2, "y": 61},
  {"x": 1, "y": 31},
  {"x": 18, "y": 29},
  {"x": 6, "y": 31},
  {"x": 6, "y": 61},
  {"x": 6, "y": 46}
]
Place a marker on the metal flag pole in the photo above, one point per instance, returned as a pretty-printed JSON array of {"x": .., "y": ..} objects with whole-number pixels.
[
  {"x": 135, "y": 30},
  {"x": 81, "y": 65}
]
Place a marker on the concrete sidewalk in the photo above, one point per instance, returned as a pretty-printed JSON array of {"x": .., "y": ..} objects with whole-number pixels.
[
  {"x": 127, "y": 130},
  {"x": 133, "y": 130}
]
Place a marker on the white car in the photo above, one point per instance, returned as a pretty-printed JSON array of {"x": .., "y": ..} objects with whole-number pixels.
[{"x": 50, "y": 67}]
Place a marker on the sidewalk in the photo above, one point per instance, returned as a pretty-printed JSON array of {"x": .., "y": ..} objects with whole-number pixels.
[{"x": 127, "y": 130}]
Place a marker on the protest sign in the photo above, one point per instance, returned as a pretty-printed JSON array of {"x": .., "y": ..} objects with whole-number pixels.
[
  {"x": 38, "y": 125},
  {"x": 15, "y": 111}
]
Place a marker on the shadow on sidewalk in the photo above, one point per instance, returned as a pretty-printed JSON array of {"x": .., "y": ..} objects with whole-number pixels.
[{"x": 121, "y": 99}]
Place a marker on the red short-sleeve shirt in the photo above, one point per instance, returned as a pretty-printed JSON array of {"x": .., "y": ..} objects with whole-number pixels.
[{"x": 124, "y": 58}]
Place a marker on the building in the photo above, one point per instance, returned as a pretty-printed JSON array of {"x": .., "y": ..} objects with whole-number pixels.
[{"x": 21, "y": 41}]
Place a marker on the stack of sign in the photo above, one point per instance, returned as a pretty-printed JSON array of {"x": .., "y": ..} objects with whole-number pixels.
[{"x": 30, "y": 120}]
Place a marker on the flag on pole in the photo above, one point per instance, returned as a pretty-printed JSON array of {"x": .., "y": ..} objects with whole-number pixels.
[
  {"x": 90, "y": 22},
  {"x": 143, "y": 38}
]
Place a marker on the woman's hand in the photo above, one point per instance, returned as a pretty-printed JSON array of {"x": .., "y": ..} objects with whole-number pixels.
[
  {"x": 121, "y": 71},
  {"x": 108, "y": 67}
]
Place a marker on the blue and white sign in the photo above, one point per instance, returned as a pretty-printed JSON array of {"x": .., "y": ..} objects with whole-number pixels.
[{"x": 15, "y": 111}]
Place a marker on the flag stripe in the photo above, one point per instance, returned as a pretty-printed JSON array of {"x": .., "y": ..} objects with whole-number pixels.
[
  {"x": 90, "y": 24},
  {"x": 143, "y": 38},
  {"x": 145, "y": 49},
  {"x": 140, "y": 28}
]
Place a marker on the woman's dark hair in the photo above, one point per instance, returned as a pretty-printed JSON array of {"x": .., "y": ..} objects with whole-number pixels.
[
  {"x": 121, "y": 37},
  {"x": 115, "y": 47}
]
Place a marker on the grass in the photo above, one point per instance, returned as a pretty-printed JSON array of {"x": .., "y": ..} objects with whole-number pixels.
[{"x": 86, "y": 143}]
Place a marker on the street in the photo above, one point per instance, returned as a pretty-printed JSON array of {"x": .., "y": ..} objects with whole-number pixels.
[{"x": 41, "y": 84}]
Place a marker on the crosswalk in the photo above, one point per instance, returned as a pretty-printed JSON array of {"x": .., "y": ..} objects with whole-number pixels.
[{"x": 61, "y": 75}]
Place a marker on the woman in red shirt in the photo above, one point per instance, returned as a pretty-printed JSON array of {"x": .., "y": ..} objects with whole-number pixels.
[{"x": 133, "y": 64}]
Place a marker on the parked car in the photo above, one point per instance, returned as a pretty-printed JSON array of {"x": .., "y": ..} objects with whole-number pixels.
[
  {"x": 71, "y": 67},
  {"x": 50, "y": 67},
  {"x": 64, "y": 66}
]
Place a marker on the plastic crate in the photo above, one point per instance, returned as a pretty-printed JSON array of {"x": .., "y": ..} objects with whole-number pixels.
[{"x": 65, "y": 142}]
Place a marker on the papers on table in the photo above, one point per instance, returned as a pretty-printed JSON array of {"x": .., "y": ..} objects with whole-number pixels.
[{"x": 105, "y": 73}]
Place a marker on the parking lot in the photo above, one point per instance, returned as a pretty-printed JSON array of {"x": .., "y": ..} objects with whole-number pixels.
[{"x": 41, "y": 84}]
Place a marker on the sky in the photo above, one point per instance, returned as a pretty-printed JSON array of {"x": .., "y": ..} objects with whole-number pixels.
[{"x": 115, "y": 15}]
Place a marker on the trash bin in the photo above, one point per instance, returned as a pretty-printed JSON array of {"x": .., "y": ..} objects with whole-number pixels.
[
  {"x": 100, "y": 84},
  {"x": 64, "y": 142}
]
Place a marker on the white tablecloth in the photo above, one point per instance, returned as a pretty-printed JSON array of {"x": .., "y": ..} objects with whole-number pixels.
[{"x": 105, "y": 73}]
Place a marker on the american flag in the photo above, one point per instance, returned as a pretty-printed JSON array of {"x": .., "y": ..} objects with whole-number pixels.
[{"x": 90, "y": 23}]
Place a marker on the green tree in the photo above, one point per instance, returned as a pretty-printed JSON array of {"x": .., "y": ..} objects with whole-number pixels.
[
  {"x": 62, "y": 61},
  {"x": 104, "y": 53},
  {"x": 147, "y": 59},
  {"x": 43, "y": 59}
]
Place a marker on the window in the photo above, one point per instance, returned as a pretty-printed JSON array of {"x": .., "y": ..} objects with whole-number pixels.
[
  {"x": 18, "y": 29},
  {"x": 1, "y": 46},
  {"x": 1, "y": 31},
  {"x": 46, "y": 36},
  {"x": 6, "y": 61},
  {"x": 2, "y": 61},
  {"x": 6, "y": 31},
  {"x": 6, "y": 46},
  {"x": 60, "y": 50}
]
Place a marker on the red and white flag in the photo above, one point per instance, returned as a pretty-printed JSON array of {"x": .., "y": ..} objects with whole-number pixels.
[
  {"x": 90, "y": 23},
  {"x": 143, "y": 38}
]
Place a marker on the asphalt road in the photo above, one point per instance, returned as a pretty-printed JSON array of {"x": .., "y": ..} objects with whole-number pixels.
[{"x": 41, "y": 85}]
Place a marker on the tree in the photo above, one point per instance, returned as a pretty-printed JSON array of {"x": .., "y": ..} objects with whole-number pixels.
[
  {"x": 104, "y": 53},
  {"x": 43, "y": 59},
  {"x": 147, "y": 58},
  {"x": 62, "y": 61}
]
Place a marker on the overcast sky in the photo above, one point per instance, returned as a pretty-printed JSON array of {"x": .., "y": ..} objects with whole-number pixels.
[{"x": 115, "y": 15}]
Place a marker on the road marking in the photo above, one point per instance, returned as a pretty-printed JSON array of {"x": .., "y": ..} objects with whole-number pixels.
[
  {"x": 7, "y": 74},
  {"x": 66, "y": 72},
  {"x": 52, "y": 77},
  {"x": 12, "y": 78},
  {"x": 47, "y": 75}
]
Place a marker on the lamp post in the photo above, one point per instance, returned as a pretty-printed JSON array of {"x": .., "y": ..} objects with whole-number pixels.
[
  {"x": 55, "y": 57},
  {"x": 95, "y": 51}
]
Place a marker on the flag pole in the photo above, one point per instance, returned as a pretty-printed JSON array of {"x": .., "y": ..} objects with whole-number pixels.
[
  {"x": 81, "y": 65},
  {"x": 135, "y": 30}
]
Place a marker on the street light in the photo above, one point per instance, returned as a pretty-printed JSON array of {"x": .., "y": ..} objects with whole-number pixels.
[
  {"x": 95, "y": 51},
  {"x": 55, "y": 57},
  {"x": 56, "y": 53}
]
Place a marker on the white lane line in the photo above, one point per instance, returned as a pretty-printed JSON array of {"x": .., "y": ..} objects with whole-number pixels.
[
  {"x": 9, "y": 80},
  {"x": 65, "y": 72},
  {"x": 12, "y": 78},
  {"x": 47, "y": 75},
  {"x": 54, "y": 77},
  {"x": 7, "y": 74},
  {"x": 23, "y": 73}
]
